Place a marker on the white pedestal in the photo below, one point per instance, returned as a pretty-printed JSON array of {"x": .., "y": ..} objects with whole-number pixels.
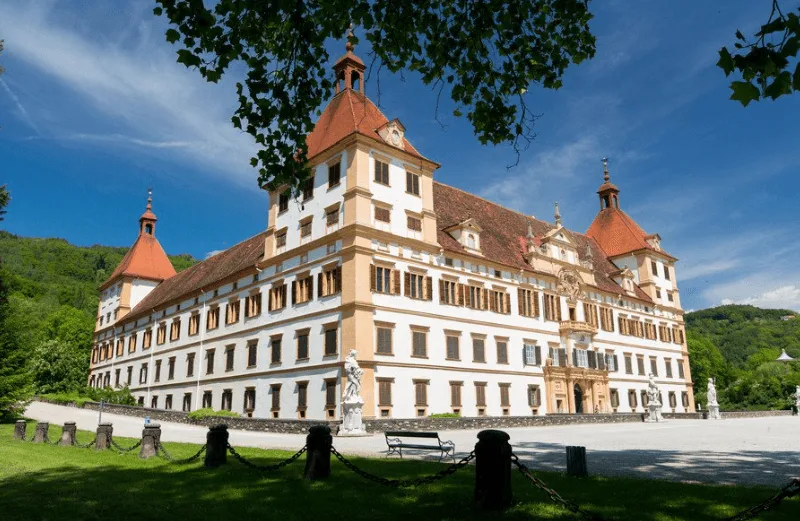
[
  {"x": 654, "y": 413},
  {"x": 351, "y": 413},
  {"x": 713, "y": 412}
]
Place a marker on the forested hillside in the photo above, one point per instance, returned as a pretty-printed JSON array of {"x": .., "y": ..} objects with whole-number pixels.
[
  {"x": 738, "y": 346},
  {"x": 52, "y": 302}
]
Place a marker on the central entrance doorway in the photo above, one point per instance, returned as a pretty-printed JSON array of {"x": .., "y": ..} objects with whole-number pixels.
[{"x": 578, "y": 399}]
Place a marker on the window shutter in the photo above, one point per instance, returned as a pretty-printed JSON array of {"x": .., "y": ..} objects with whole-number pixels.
[
  {"x": 429, "y": 288},
  {"x": 508, "y": 304},
  {"x": 520, "y": 296},
  {"x": 485, "y": 299},
  {"x": 491, "y": 302},
  {"x": 441, "y": 291},
  {"x": 396, "y": 288},
  {"x": 337, "y": 276},
  {"x": 538, "y": 354},
  {"x": 294, "y": 292},
  {"x": 310, "y": 288},
  {"x": 371, "y": 279},
  {"x": 535, "y": 296},
  {"x": 592, "y": 359},
  {"x": 558, "y": 308},
  {"x": 547, "y": 314},
  {"x": 269, "y": 302},
  {"x": 460, "y": 294},
  {"x": 407, "y": 284},
  {"x": 616, "y": 364},
  {"x": 575, "y": 357}
]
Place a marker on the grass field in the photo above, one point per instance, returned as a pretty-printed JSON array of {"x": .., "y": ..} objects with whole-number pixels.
[{"x": 41, "y": 482}]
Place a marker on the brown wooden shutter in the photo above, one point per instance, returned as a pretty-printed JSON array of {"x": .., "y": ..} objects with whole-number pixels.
[
  {"x": 319, "y": 284},
  {"x": 337, "y": 277},
  {"x": 407, "y": 283},
  {"x": 310, "y": 288},
  {"x": 491, "y": 302},
  {"x": 460, "y": 294},
  {"x": 507, "y": 311},
  {"x": 371, "y": 278},
  {"x": 520, "y": 296},
  {"x": 429, "y": 288},
  {"x": 485, "y": 299},
  {"x": 396, "y": 276},
  {"x": 547, "y": 314},
  {"x": 535, "y": 297},
  {"x": 269, "y": 302},
  {"x": 441, "y": 291},
  {"x": 294, "y": 292}
]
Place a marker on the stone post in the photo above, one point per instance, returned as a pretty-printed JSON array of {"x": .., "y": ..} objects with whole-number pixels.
[
  {"x": 41, "y": 432},
  {"x": 104, "y": 433},
  {"x": 151, "y": 437},
  {"x": 493, "y": 470},
  {"x": 216, "y": 446},
  {"x": 318, "y": 452},
  {"x": 68, "y": 434},
  {"x": 19, "y": 429},
  {"x": 576, "y": 462}
]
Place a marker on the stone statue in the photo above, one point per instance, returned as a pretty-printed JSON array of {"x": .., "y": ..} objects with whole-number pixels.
[
  {"x": 713, "y": 406},
  {"x": 653, "y": 402},
  {"x": 797, "y": 397},
  {"x": 352, "y": 402},
  {"x": 569, "y": 284},
  {"x": 352, "y": 392}
]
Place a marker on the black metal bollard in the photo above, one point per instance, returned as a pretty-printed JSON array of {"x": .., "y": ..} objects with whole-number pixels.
[
  {"x": 20, "y": 427},
  {"x": 216, "y": 446},
  {"x": 318, "y": 452},
  {"x": 493, "y": 470},
  {"x": 576, "y": 462},
  {"x": 41, "y": 432},
  {"x": 68, "y": 434},
  {"x": 104, "y": 433},
  {"x": 151, "y": 437}
]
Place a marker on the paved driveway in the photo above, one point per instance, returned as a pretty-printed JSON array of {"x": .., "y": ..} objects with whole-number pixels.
[{"x": 752, "y": 450}]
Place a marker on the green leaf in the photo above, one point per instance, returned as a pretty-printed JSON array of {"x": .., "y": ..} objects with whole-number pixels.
[
  {"x": 172, "y": 35},
  {"x": 739, "y": 35},
  {"x": 725, "y": 61},
  {"x": 158, "y": 11},
  {"x": 744, "y": 92}
]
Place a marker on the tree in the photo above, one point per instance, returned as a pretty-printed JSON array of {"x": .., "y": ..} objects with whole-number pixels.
[
  {"x": 58, "y": 366},
  {"x": 15, "y": 380},
  {"x": 2, "y": 69},
  {"x": 706, "y": 362},
  {"x": 766, "y": 63},
  {"x": 5, "y": 197},
  {"x": 485, "y": 54}
]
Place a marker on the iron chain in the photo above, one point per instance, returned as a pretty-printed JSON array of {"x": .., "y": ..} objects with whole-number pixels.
[
  {"x": 397, "y": 483},
  {"x": 265, "y": 468},
  {"x": 555, "y": 496},
  {"x": 123, "y": 449},
  {"x": 790, "y": 490},
  {"x": 83, "y": 445},
  {"x": 162, "y": 452}
]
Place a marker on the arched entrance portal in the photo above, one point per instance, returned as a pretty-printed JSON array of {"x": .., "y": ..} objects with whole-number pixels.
[{"x": 578, "y": 399}]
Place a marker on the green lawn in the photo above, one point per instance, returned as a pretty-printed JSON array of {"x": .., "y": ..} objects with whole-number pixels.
[{"x": 41, "y": 482}]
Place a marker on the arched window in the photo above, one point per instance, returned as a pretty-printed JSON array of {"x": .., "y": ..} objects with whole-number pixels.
[
  {"x": 148, "y": 229},
  {"x": 563, "y": 254},
  {"x": 355, "y": 81}
]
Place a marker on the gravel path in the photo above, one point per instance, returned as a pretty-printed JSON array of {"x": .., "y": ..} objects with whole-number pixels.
[{"x": 742, "y": 451}]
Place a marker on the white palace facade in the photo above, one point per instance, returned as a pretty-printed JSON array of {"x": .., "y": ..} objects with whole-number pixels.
[{"x": 452, "y": 303}]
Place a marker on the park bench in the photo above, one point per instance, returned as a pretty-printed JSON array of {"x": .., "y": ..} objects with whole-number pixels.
[{"x": 395, "y": 442}]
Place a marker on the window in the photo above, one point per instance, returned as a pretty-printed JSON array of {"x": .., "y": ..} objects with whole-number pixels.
[
  {"x": 252, "y": 353},
  {"x": 414, "y": 224},
  {"x": 532, "y": 354},
  {"x": 190, "y": 365},
  {"x": 658, "y": 293},
  {"x": 116, "y": 375},
  {"x": 478, "y": 350},
  {"x": 385, "y": 280},
  {"x": 302, "y": 396},
  {"x": 249, "y": 400},
  {"x": 280, "y": 241},
  {"x": 681, "y": 374},
  {"x": 168, "y": 402},
  {"x": 664, "y": 333},
  {"x": 677, "y": 335},
  {"x": 580, "y": 358},
  {"x": 421, "y": 393},
  {"x": 666, "y": 272},
  {"x": 212, "y": 318},
  {"x": 417, "y": 286},
  {"x": 480, "y": 394},
  {"x": 611, "y": 362},
  {"x": 283, "y": 201},
  {"x": 232, "y": 312},
  {"x": 668, "y": 367},
  {"x": 632, "y": 402},
  {"x": 209, "y": 361},
  {"x": 329, "y": 282},
  {"x": 381, "y": 173},
  {"x": 654, "y": 268},
  {"x": 143, "y": 374},
  {"x": 385, "y": 392},
  {"x": 654, "y": 366},
  {"x": 156, "y": 376},
  {"x": 412, "y": 183},
  {"x": 227, "y": 400},
  {"x": 383, "y": 340},
  {"x": 275, "y": 391},
  {"x": 277, "y": 296},
  {"x": 332, "y": 218},
  {"x": 558, "y": 356},
  {"x": 640, "y": 364},
  {"x": 207, "y": 399},
  {"x": 330, "y": 393},
  {"x": 606, "y": 319},
  {"x": 552, "y": 308},
  {"x": 590, "y": 314},
  {"x": 331, "y": 334},
  {"x": 685, "y": 399},
  {"x": 673, "y": 399},
  {"x": 476, "y": 297},
  {"x": 534, "y": 396},
  {"x": 252, "y": 305},
  {"x": 305, "y": 229},
  {"x": 130, "y": 375},
  {"x": 229, "y": 353},
  {"x": 275, "y": 345},
  {"x": 162, "y": 333},
  {"x": 334, "y": 175},
  {"x": 502, "y": 352},
  {"x": 499, "y": 301},
  {"x": 175, "y": 330},
  {"x": 649, "y": 331},
  {"x": 670, "y": 297},
  {"x": 505, "y": 400},
  {"x": 528, "y": 302},
  {"x": 448, "y": 292},
  {"x": 194, "y": 324},
  {"x": 187, "y": 402},
  {"x": 614, "y": 398},
  {"x": 171, "y": 368},
  {"x": 452, "y": 342},
  {"x": 147, "y": 339},
  {"x": 419, "y": 343},
  {"x": 308, "y": 188},
  {"x": 132, "y": 343},
  {"x": 302, "y": 289},
  {"x": 382, "y": 214}
]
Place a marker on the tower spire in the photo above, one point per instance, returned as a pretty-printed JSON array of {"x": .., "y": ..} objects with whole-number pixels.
[
  {"x": 349, "y": 68},
  {"x": 147, "y": 222},
  {"x": 608, "y": 192},
  {"x": 606, "y": 176}
]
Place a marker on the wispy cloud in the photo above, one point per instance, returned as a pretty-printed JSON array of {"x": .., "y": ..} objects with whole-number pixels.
[
  {"x": 23, "y": 113},
  {"x": 127, "y": 140},
  {"x": 212, "y": 253},
  {"x": 783, "y": 297}
]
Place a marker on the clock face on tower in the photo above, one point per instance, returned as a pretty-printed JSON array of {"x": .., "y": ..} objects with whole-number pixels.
[{"x": 396, "y": 137}]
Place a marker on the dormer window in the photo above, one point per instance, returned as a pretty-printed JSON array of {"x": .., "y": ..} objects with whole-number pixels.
[
  {"x": 468, "y": 234},
  {"x": 393, "y": 133}
]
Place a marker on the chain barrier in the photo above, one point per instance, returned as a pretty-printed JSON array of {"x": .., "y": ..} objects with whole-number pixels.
[
  {"x": 790, "y": 490},
  {"x": 123, "y": 449},
  {"x": 397, "y": 483},
  {"x": 83, "y": 445},
  {"x": 555, "y": 496},
  {"x": 48, "y": 441},
  {"x": 162, "y": 452},
  {"x": 265, "y": 468}
]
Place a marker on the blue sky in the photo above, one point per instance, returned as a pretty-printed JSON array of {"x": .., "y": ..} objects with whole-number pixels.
[{"x": 94, "y": 110}]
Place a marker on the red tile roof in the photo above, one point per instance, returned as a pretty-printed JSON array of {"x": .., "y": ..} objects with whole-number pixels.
[
  {"x": 504, "y": 234},
  {"x": 145, "y": 260},
  {"x": 618, "y": 234},
  {"x": 203, "y": 275},
  {"x": 347, "y": 113}
]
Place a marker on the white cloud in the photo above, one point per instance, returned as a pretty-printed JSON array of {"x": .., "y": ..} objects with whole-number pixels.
[
  {"x": 783, "y": 297},
  {"x": 20, "y": 107},
  {"x": 212, "y": 253}
]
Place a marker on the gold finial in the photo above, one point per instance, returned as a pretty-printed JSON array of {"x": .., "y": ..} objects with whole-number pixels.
[
  {"x": 349, "y": 45},
  {"x": 606, "y": 176}
]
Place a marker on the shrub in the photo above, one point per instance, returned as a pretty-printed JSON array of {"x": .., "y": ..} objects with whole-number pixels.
[
  {"x": 444, "y": 415},
  {"x": 90, "y": 394},
  {"x": 199, "y": 414}
]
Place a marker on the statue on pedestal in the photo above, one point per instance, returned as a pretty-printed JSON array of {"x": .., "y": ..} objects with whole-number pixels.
[
  {"x": 713, "y": 406},
  {"x": 653, "y": 402},
  {"x": 797, "y": 398},
  {"x": 352, "y": 402}
]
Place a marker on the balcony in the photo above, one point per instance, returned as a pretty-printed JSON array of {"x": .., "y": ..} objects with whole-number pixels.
[{"x": 573, "y": 326}]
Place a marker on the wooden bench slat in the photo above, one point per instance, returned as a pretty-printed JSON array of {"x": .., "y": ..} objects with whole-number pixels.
[
  {"x": 411, "y": 434},
  {"x": 403, "y": 446}
]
